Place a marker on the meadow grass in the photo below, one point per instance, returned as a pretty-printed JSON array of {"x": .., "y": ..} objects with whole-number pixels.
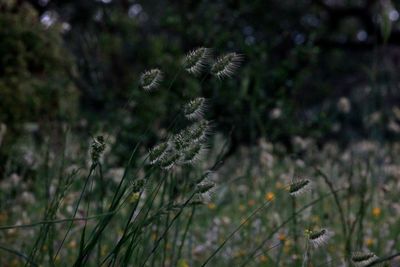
[{"x": 184, "y": 203}]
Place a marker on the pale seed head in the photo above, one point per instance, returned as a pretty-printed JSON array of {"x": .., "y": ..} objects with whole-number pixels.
[
  {"x": 158, "y": 152},
  {"x": 361, "y": 259},
  {"x": 226, "y": 65},
  {"x": 196, "y": 60},
  {"x": 319, "y": 238},
  {"x": 195, "y": 108},
  {"x": 151, "y": 79},
  {"x": 299, "y": 187}
]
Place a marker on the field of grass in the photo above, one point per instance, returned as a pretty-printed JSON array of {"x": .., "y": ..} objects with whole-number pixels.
[{"x": 185, "y": 203}]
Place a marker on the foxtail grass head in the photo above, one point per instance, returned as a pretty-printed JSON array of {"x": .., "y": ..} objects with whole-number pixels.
[
  {"x": 157, "y": 153},
  {"x": 191, "y": 135},
  {"x": 97, "y": 148},
  {"x": 171, "y": 158},
  {"x": 192, "y": 153},
  {"x": 299, "y": 187},
  {"x": 361, "y": 259},
  {"x": 196, "y": 60},
  {"x": 318, "y": 238},
  {"x": 194, "y": 110},
  {"x": 151, "y": 79},
  {"x": 226, "y": 65}
]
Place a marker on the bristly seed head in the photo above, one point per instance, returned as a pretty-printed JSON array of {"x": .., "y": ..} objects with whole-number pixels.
[
  {"x": 169, "y": 160},
  {"x": 192, "y": 153},
  {"x": 361, "y": 259},
  {"x": 226, "y": 65},
  {"x": 319, "y": 238},
  {"x": 299, "y": 187},
  {"x": 97, "y": 148},
  {"x": 151, "y": 79},
  {"x": 158, "y": 152},
  {"x": 191, "y": 135},
  {"x": 196, "y": 60},
  {"x": 195, "y": 108}
]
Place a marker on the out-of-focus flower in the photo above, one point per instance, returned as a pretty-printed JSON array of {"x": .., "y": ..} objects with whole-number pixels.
[
  {"x": 376, "y": 212},
  {"x": 344, "y": 105},
  {"x": 270, "y": 196}
]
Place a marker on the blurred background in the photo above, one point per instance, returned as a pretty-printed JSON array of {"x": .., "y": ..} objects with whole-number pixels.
[{"x": 321, "y": 69}]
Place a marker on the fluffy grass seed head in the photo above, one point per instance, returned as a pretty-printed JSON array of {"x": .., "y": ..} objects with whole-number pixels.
[
  {"x": 191, "y": 135},
  {"x": 192, "y": 154},
  {"x": 97, "y": 148},
  {"x": 195, "y": 109},
  {"x": 319, "y": 238},
  {"x": 299, "y": 187},
  {"x": 171, "y": 158},
  {"x": 158, "y": 152},
  {"x": 196, "y": 60},
  {"x": 151, "y": 79},
  {"x": 361, "y": 259},
  {"x": 226, "y": 65}
]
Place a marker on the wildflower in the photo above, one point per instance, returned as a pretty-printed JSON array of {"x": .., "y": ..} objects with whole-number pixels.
[
  {"x": 376, "y": 212},
  {"x": 282, "y": 237},
  {"x": 251, "y": 202},
  {"x": 270, "y": 196},
  {"x": 361, "y": 259},
  {"x": 158, "y": 152},
  {"x": 151, "y": 79},
  {"x": 263, "y": 258},
  {"x": 226, "y": 65},
  {"x": 318, "y": 238},
  {"x": 369, "y": 242},
  {"x": 97, "y": 148},
  {"x": 183, "y": 263},
  {"x": 298, "y": 187},
  {"x": 195, "y": 108},
  {"x": 211, "y": 206},
  {"x": 344, "y": 105},
  {"x": 196, "y": 60}
]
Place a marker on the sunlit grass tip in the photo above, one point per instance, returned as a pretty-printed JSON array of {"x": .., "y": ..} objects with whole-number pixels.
[
  {"x": 226, "y": 65},
  {"x": 196, "y": 60},
  {"x": 195, "y": 108},
  {"x": 151, "y": 79},
  {"x": 361, "y": 259},
  {"x": 299, "y": 187},
  {"x": 319, "y": 238}
]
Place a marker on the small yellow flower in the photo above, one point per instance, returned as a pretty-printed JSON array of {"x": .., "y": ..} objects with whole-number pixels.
[
  {"x": 369, "y": 242},
  {"x": 282, "y": 237},
  {"x": 376, "y": 212},
  {"x": 251, "y": 202},
  {"x": 72, "y": 244},
  {"x": 263, "y": 258},
  {"x": 242, "y": 207},
  {"x": 270, "y": 196},
  {"x": 134, "y": 197},
  {"x": 278, "y": 185},
  {"x": 212, "y": 206},
  {"x": 183, "y": 263}
]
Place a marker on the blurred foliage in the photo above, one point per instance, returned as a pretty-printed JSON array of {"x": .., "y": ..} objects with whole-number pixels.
[{"x": 300, "y": 58}]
